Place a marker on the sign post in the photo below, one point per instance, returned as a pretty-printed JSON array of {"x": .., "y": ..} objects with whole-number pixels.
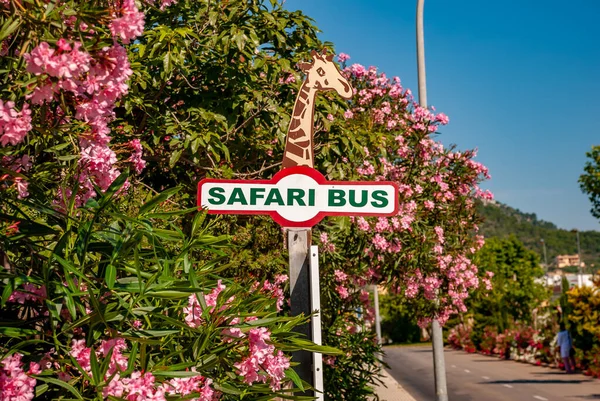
[
  {"x": 299, "y": 257},
  {"x": 298, "y": 197}
]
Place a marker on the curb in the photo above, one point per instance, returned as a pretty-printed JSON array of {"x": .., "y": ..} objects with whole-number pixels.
[{"x": 391, "y": 390}]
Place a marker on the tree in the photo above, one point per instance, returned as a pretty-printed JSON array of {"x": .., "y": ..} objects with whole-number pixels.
[
  {"x": 514, "y": 293},
  {"x": 589, "y": 181},
  {"x": 110, "y": 287}
]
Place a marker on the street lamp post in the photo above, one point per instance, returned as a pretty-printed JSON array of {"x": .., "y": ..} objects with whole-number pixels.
[
  {"x": 437, "y": 340},
  {"x": 579, "y": 276},
  {"x": 545, "y": 256}
]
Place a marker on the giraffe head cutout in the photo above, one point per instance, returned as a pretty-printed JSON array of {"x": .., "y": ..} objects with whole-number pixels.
[
  {"x": 325, "y": 75},
  {"x": 322, "y": 74}
]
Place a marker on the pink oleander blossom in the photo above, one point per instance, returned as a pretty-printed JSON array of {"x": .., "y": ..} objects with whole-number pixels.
[
  {"x": 343, "y": 57},
  {"x": 263, "y": 363},
  {"x": 15, "y": 384},
  {"x": 14, "y": 125},
  {"x": 136, "y": 156},
  {"x": 193, "y": 312},
  {"x": 31, "y": 292},
  {"x": 130, "y": 24}
]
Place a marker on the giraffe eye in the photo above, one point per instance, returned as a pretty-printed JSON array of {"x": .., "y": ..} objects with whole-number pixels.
[{"x": 321, "y": 71}]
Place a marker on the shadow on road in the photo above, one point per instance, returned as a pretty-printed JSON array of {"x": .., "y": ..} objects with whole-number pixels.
[
  {"x": 589, "y": 397},
  {"x": 530, "y": 381}
]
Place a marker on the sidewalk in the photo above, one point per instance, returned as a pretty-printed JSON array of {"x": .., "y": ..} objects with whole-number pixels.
[{"x": 392, "y": 391}]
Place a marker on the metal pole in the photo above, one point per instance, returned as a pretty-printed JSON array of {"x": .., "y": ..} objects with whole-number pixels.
[
  {"x": 299, "y": 247},
  {"x": 315, "y": 302},
  {"x": 421, "y": 55},
  {"x": 545, "y": 256},
  {"x": 377, "y": 317},
  {"x": 579, "y": 276},
  {"x": 437, "y": 340}
]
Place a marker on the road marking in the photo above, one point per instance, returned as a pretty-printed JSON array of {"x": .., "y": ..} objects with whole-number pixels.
[
  {"x": 467, "y": 370},
  {"x": 537, "y": 397},
  {"x": 507, "y": 385},
  {"x": 485, "y": 377}
]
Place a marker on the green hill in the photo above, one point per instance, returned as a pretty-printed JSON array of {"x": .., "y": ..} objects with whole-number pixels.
[{"x": 501, "y": 221}]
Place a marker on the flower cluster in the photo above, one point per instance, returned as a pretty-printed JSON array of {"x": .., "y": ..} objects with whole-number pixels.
[
  {"x": 431, "y": 238},
  {"x": 130, "y": 24},
  {"x": 30, "y": 292},
  {"x": 138, "y": 386},
  {"x": 14, "y": 125},
  {"x": 193, "y": 312},
  {"x": 86, "y": 82},
  {"x": 15, "y": 383},
  {"x": 19, "y": 165},
  {"x": 263, "y": 364},
  {"x": 275, "y": 289}
]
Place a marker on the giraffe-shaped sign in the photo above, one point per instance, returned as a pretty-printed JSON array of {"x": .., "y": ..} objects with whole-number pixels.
[
  {"x": 322, "y": 74},
  {"x": 299, "y": 196}
]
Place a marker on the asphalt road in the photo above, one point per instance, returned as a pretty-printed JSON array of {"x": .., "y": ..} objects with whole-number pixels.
[{"x": 473, "y": 377}]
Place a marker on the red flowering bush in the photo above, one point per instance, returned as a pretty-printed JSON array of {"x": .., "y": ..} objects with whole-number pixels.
[
  {"x": 459, "y": 337},
  {"x": 488, "y": 341}
]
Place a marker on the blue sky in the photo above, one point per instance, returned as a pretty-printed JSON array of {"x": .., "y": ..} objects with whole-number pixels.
[{"x": 520, "y": 81}]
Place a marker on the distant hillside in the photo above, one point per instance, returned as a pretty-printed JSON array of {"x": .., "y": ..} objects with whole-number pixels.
[{"x": 502, "y": 220}]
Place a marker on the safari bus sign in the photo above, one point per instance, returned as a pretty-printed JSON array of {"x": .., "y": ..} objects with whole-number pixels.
[{"x": 299, "y": 196}]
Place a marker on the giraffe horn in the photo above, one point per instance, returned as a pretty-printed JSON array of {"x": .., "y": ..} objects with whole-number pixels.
[{"x": 304, "y": 66}]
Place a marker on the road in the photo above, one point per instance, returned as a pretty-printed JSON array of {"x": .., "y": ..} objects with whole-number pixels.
[{"x": 473, "y": 377}]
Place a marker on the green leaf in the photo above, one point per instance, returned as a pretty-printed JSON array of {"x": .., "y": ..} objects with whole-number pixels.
[
  {"x": 292, "y": 375},
  {"x": 175, "y": 373},
  {"x": 17, "y": 332},
  {"x": 96, "y": 375},
  {"x": 160, "y": 198},
  {"x": 41, "y": 389},
  {"x": 110, "y": 276},
  {"x": 175, "y": 157},
  {"x": 8, "y": 28},
  {"x": 227, "y": 388},
  {"x": 62, "y": 384}
]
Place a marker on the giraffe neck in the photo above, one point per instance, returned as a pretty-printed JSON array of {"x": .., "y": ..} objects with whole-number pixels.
[{"x": 299, "y": 144}]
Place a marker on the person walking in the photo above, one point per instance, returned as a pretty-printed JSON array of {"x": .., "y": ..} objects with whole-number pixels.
[{"x": 564, "y": 343}]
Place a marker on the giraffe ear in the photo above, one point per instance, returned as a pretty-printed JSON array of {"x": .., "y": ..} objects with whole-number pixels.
[
  {"x": 314, "y": 53},
  {"x": 329, "y": 57},
  {"x": 304, "y": 66}
]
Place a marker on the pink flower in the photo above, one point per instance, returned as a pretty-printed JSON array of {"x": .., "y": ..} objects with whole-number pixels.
[
  {"x": 343, "y": 57},
  {"x": 262, "y": 363},
  {"x": 81, "y": 353},
  {"x": 39, "y": 59},
  {"x": 342, "y": 291},
  {"x": 330, "y": 117},
  {"x": 442, "y": 118},
  {"x": 340, "y": 276},
  {"x": 130, "y": 25},
  {"x": 358, "y": 70},
  {"x": 136, "y": 156},
  {"x": 15, "y": 384},
  {"x": 380, "y": 242},
  {"x": 14, "y": 125},
  {"x": 348, "y": 114},
  {"x": 193, "y": 312}
]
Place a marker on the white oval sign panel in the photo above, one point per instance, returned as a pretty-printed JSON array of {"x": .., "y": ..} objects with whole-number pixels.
[{"x": 298, "y": 197}]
